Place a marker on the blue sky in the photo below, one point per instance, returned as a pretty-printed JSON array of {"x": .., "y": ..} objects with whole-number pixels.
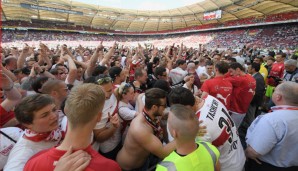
[{"x": 142, "y": 4}]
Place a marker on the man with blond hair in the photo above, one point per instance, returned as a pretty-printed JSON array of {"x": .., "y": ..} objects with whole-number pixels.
[
  {"x": 189, "y": 155},
  {"x": 83, "y": 109}
]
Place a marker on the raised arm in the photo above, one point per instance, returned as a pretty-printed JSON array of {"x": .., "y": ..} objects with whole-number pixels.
[
  {"x": 108, "y": 55},
  {"x": 22, "y": 57},
  {"x": 94, "y": 58},
  {"x": 13, "y": 96},
  {"x": 72, "y": 74},
  {"x": 8, "y": 73},
  {"x": 180, "y": 51},
  {"x": 152, "y": 144},
  {"x": 44, "y": 55}
]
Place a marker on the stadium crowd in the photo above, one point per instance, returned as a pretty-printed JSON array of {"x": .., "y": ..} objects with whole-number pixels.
[
  {"x": 277, "y": 37},
  {"x": 159, "y": 104},
  {"x": 287, "y": 16}
]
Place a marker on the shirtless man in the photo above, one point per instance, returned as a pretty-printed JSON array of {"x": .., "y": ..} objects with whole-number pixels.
[{"x": 145, "y": 135}]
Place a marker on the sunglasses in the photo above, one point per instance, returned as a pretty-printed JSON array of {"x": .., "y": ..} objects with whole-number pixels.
[
  {"x": 104, "y": 80},
  {"x": 125, "y": 88}
]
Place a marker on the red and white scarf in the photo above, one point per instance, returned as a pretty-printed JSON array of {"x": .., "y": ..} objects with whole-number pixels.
[{"x": 55, "y": 135}]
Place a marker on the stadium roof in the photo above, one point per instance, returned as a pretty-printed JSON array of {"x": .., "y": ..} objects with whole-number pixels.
[{"x": 141, "y": 20}]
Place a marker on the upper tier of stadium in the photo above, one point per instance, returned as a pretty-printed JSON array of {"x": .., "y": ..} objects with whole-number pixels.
[{"x": 107, "y": 18}]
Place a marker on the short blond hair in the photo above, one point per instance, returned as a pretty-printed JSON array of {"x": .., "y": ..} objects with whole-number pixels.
[
  {"x": 51, "y": 85},
  {"x": 83, "y": 103},
  {"x": 184, "y": 121}
]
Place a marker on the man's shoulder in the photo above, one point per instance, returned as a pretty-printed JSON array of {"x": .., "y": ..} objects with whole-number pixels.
[
  {"x": 139, "y": 129},
  {"x": 258, "y": 76},
  {"x": 39, "y": 161},
  {"x": 101, "y": 162}
]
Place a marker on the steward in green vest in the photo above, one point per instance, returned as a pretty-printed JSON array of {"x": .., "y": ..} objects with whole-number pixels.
[{"x": 188, "y": 156}]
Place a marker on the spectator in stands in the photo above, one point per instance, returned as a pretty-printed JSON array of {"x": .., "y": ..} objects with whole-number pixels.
[
  {"x": 271, "y": 138},
  {"x": 291, "y": 71},
  {"x": 218, "y": 86},
  {"x": 244, "y": 86},
  {"x": 38, "y": 114},
  {"x": 145, "y": 136},
  {"x": 184, "y": 128},
  {"x": 83, "y": 109}
]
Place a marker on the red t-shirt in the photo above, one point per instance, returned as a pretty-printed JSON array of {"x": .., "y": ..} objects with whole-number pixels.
[
  {"x": 5, "y": 116},
  {"x": 243, "y": 92},
  {"x": 277, "y": 70},
  {"x": 46, "y": 159},
  {"x": 220, "y": 88}
]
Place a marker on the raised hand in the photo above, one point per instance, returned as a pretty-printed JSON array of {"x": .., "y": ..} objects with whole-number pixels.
[
  {"x": 99, "y": 47},
  {"x": 114, "y": 120},
  {"x": 25, "y": 50},
  {"x": 202, "y": 129}
]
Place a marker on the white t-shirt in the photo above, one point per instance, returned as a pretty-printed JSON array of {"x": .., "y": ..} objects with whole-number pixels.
[
  {"x": 137, "y": 107},
  {"x": 6, "y": 144},
  {"x": 222, "y": 132},
  {"x": 126, "y": 112},
  {"x": 194, "y": 90},
  {"x": 108, "y": 145},
  {"x": 200, "y": 70},
  {"x": 23, "y": 151},
  {"x": 177, "y": 75},
  {"x": 240, "y": 60}
]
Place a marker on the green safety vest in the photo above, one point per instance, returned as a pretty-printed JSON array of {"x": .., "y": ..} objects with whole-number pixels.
[{"x": 204, "y": 158}]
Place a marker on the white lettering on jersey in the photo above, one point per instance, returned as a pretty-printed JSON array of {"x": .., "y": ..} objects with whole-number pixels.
[{"x": 219, "y": 96}]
